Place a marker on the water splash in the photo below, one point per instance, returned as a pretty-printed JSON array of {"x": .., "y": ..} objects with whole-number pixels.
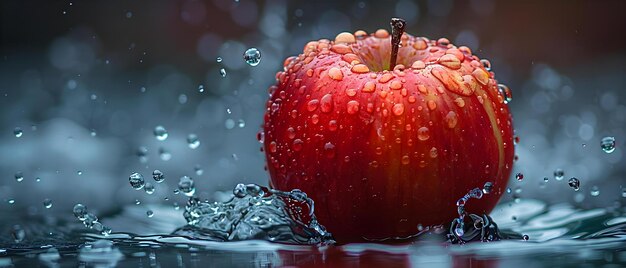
[
  {"x": 483, "y": 228},
  {"x": 256, "y": 212}
]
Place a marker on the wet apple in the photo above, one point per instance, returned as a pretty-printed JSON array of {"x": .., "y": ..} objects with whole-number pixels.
[{"x": 384, "y": 137}]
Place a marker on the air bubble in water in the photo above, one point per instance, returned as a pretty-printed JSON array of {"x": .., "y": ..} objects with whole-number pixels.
[
  {"x": 136, "y": 181},
  {"x": 47, "y": 203},
  {"x": 160, "y": 133},
  {"x": 201, "y": 88},
  {"x": 545, "y": 179},
  {"x": 594, "y": 191},
  {"x": 525, "y": 237},
  {"x": 558, "y": 174},
  {"x": 176, "y": 206},
  {"x": 574, "y": 183},
  {"x": 519, "y": 176},
  {"x": 192, "y": 141},
  {"x": 487, "y": 187},
  {"x": 219, "y": 59},
  {"x": 241, "y": 123},
  {"x": 18, "y": 132},
  {"x": 506, "y": 93},
  {"x": 11, "y": 201},
  {"x": 252, "y": 56},
  {"x": 19, "y": 176},
  {"x": 158, "y": 176},
  {"x": 149, "y": 188},
  {"x": 608, "y": 144},
  {"x": 223, "y": 72},
  {"x": 79, "y": 172},
  {"x": 186, "y": 185},
  {"x": 624, "y": 193},
  {"x": 80, "y": 211},
  {"x": 150, "y": 213}
]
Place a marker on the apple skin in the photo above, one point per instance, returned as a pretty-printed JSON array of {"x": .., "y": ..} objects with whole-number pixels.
[{"x": 383, "y": 151}]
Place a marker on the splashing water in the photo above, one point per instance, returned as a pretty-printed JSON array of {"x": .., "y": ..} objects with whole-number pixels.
[{"x": 256, "y": 212}]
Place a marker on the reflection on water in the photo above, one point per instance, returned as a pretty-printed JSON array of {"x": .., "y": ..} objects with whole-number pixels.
[{"x": 557, "y": 235}]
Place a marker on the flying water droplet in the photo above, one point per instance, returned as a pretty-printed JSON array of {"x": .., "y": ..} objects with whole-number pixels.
[
  {"x": 558, "y": 174},
  {"x": 229, "y": 123},
  {"x": 574, "y": 183},
  {"x": 160, "y": 133},
  {"x": 487, "y": 187},
  {"x": 594, "y": 191},
  {"x": 149, "y": 188},
  {"x": 486, "y": 63},
  {"x": 165, "y": 155},
  {"x": 18, "y": 132},
  {"x": 47, "y": 203},
  {"x": 158, "y": 176},
  {"x": 192, "y": 141},
  {"x": 136, "y": 181},
  {"x": 142, "y": 153},
  {"x": 186, "y": 186},
  {"x": 19, "y": 177},
  {"x": 252, "y": 56},
  {"x": 506, "y": 93},
  {"x": 198, "y": 169},
  {"x": 80, "y": 211},
  {"x": 608, "y": 144}
]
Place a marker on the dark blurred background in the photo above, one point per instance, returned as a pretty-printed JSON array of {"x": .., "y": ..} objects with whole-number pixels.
[{"x": 87, "y": 82}]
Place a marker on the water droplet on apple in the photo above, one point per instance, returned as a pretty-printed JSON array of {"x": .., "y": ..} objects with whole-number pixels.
[
  {"x": 329, "y": 150},
  {"x": 423, "y": 133},
  {"x": 398, "y": 109},
  {"x": 312, "y": 105},
  {"x": 353, "y": 107},
  {"x": 326, "y": 103}
]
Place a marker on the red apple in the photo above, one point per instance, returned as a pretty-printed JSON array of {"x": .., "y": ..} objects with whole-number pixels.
[{"x": 382, "y": 148}]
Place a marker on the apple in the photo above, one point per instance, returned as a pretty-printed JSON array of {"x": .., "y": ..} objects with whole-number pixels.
[{"x": 386, "y": 132}]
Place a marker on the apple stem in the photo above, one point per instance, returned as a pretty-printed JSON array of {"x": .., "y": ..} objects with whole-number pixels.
[{"x": 397, "y": 29}]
